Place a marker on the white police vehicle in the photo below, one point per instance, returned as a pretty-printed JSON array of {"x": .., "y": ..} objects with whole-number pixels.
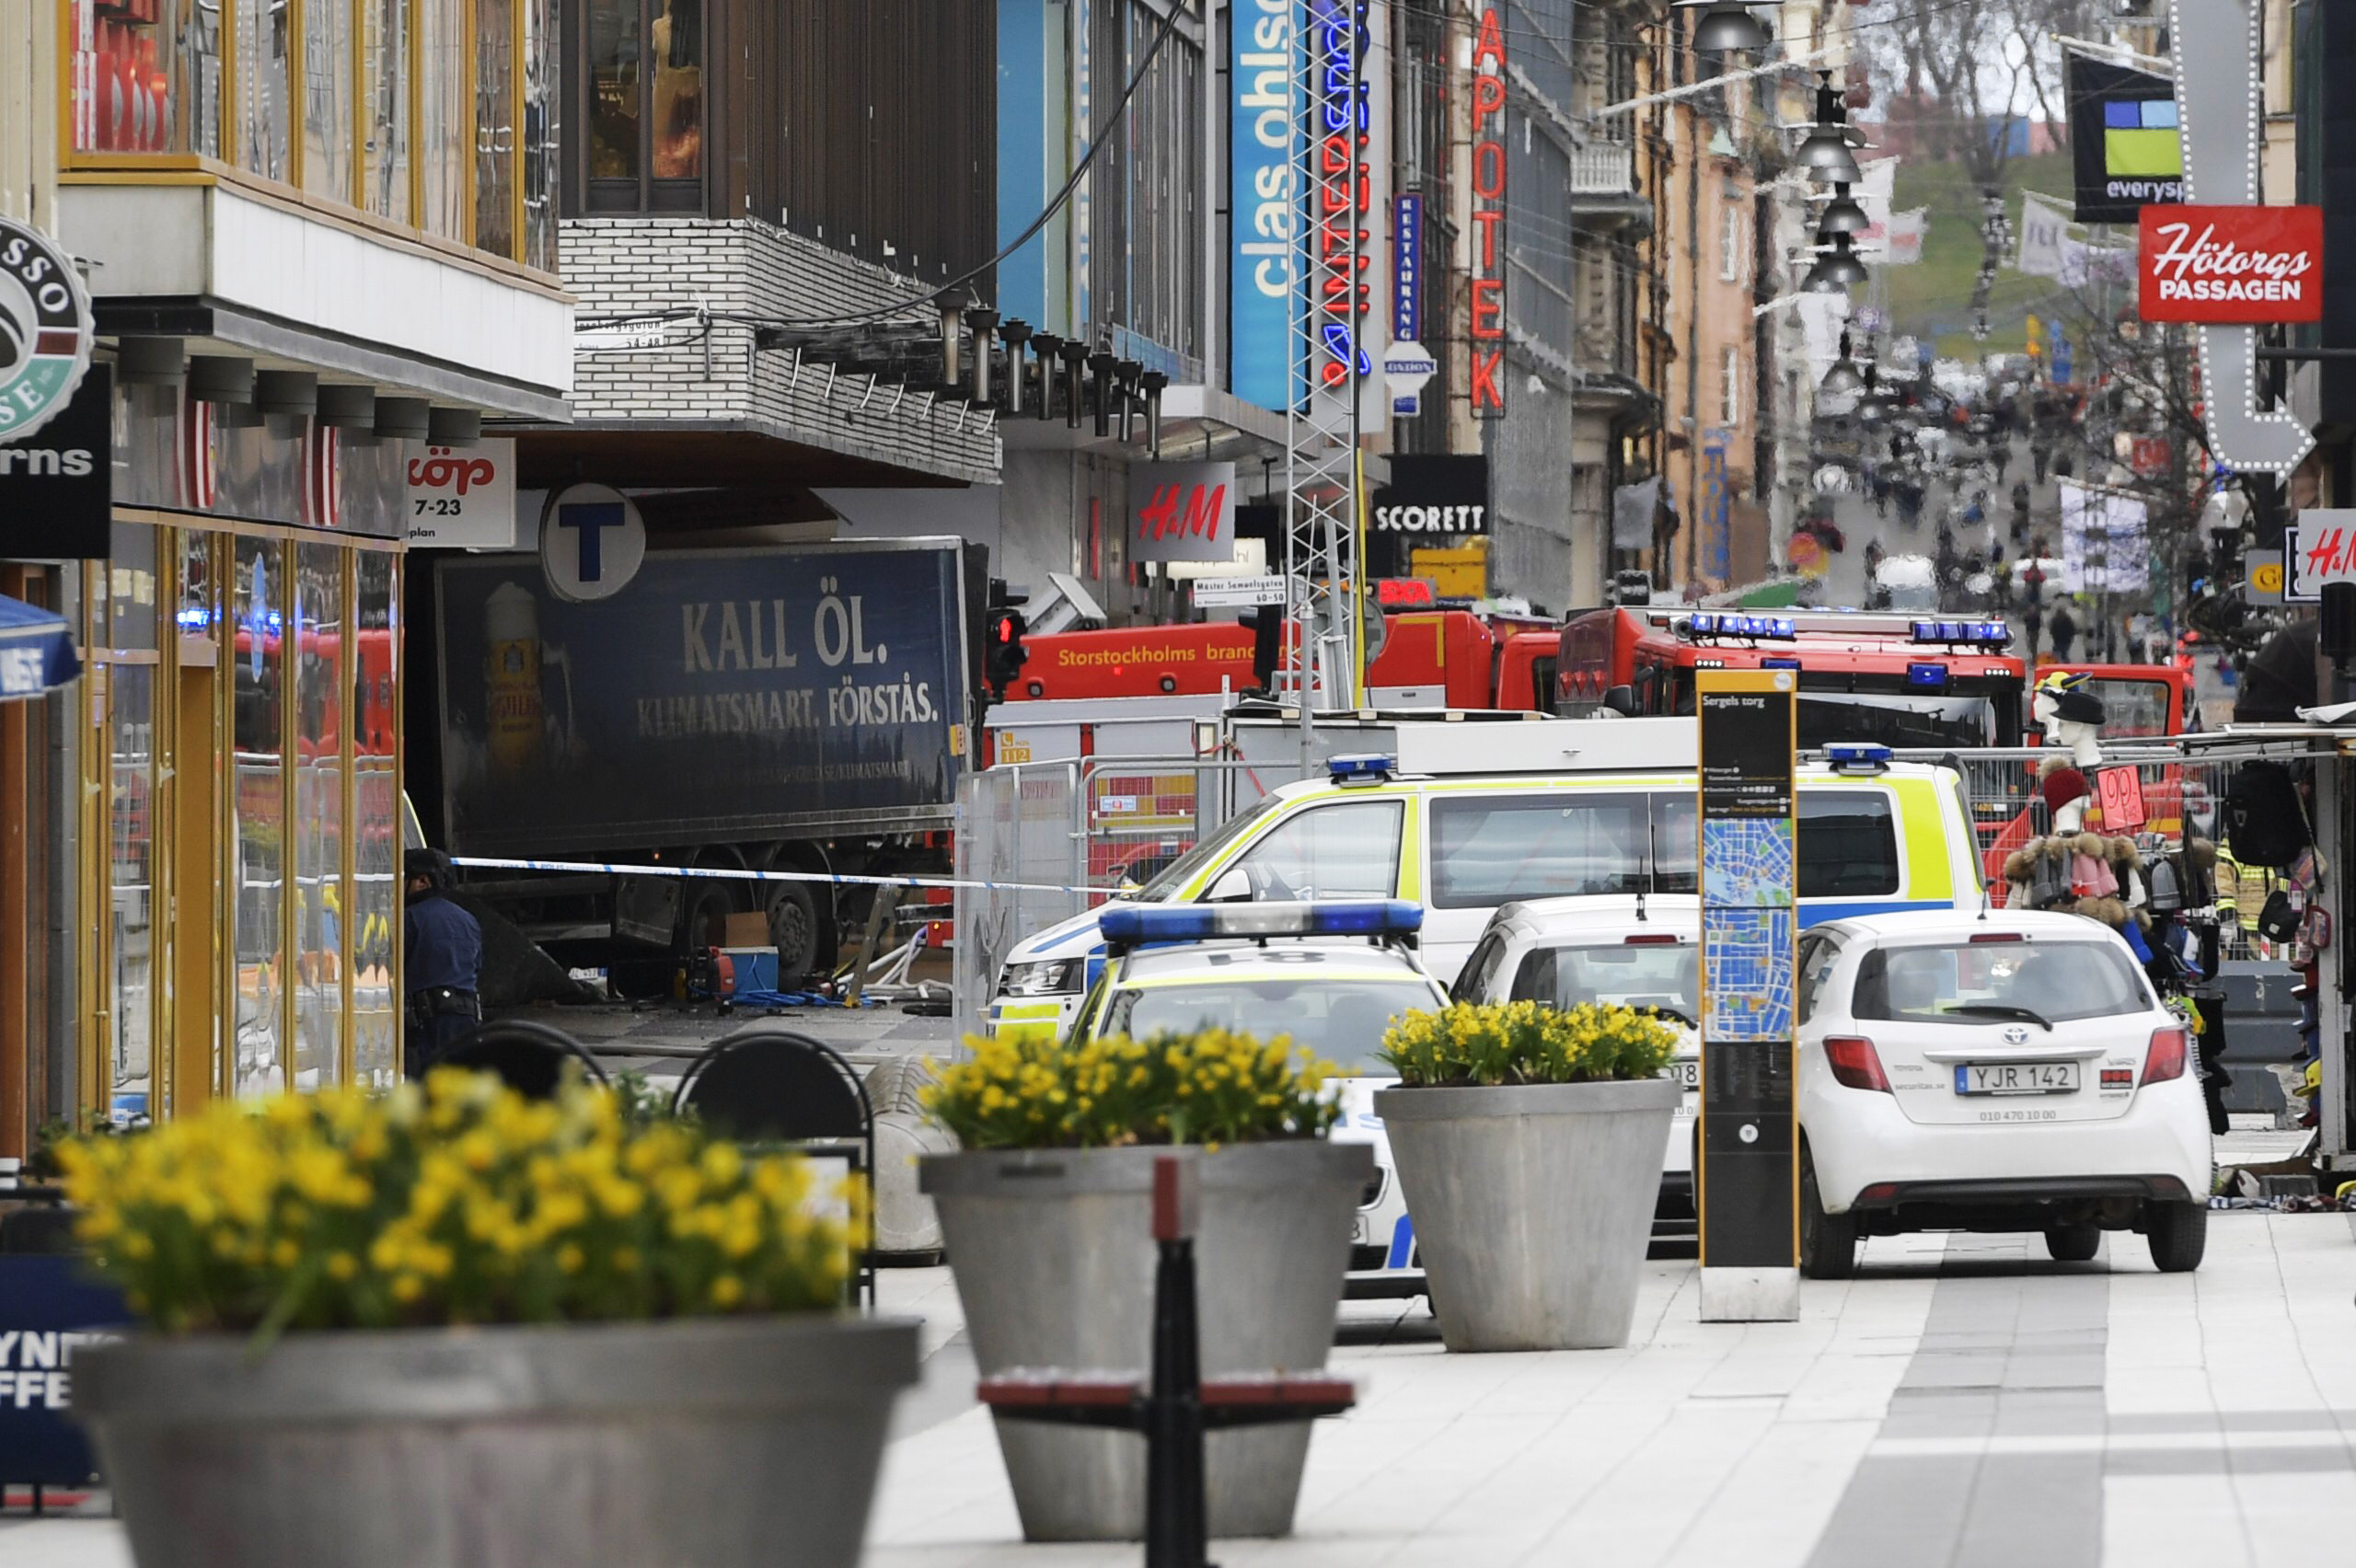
[
  {"x": 1466, "y": 819},
  {"x": 1331, "y": 976},
  {"x": 1640, "y": 950}
]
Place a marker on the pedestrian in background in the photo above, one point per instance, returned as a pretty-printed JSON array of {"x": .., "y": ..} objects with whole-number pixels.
[
  {"x": 2065, "y": 632},
  {"x": 442, "y": 962}
]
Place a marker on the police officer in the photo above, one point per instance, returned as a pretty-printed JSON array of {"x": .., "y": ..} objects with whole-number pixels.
[{"x": 443, "y": 961}]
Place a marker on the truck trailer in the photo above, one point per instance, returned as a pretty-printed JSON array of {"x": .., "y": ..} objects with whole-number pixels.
[{"x": 804, "y": 709}]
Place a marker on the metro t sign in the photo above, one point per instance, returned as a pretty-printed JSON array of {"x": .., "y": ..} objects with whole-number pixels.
[{"x": 2253, "y": 265}]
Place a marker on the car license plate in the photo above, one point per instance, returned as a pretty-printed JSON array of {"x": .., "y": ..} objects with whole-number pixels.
[
  {"x": 2016, "y": 1077},
  {"x": 1689, "y": 1074}
]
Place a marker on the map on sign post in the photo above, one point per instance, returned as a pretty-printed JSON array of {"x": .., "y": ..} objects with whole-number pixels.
[{"x": 1747, "y": 1173}]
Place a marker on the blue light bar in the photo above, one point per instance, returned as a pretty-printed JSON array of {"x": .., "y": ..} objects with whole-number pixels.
[
  {"x": 1129, "y": 926},
  {"x": 1711, "y": 624},
  {"x": 1849, "y": 757},
  {"x": 1924, "y": 675},
  {"x": 1365, "y": 767},
  {"x": 1994, "y": 633},
  {"x": 1779, "y": 664}
]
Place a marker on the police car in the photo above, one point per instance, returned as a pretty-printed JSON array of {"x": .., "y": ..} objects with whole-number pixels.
[
  {"x": 1331, "y": 976},
  {"x": 1640, "y": 952},
  {"x": 1466, "y": 819}
]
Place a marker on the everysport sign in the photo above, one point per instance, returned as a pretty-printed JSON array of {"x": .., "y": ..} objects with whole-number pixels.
[{"x": 2231, "y": 265}]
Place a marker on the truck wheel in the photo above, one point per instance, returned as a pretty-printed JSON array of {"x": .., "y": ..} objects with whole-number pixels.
[{"x": 793, "y": 931}]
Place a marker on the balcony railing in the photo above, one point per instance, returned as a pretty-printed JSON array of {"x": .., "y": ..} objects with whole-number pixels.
[{"x": 1603, "y": 168}]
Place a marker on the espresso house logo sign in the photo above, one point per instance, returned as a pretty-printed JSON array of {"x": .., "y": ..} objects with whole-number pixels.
[{"x": 45, "y": 332}]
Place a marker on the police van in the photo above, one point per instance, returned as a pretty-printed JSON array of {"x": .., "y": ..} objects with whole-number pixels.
[{"x": 1462, "y": 819}]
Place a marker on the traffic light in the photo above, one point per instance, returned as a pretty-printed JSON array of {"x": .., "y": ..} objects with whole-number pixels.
[{"x": 1004, "y": 654}]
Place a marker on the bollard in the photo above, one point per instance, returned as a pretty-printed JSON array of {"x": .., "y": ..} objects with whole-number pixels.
[{"x": 1178, "y": 1407}]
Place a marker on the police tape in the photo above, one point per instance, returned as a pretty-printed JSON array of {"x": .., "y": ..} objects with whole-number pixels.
[{"x": 731, "y": 873}]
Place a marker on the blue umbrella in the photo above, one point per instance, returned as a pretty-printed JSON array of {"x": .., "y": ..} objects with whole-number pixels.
[{"x": 36, "y": 651}]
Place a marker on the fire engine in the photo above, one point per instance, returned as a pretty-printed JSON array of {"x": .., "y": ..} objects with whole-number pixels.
[{"x": 1892, "y": 679}]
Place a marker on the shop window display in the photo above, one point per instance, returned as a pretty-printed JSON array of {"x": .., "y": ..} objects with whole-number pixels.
[
  {"x": 317, "y": 654},
  {"x": 375, "y": 908},
  {"x": 257, "y": 863}
]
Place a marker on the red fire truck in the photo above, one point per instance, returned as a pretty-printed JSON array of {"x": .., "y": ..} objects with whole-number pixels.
[{"x": 1893, "y": 679}]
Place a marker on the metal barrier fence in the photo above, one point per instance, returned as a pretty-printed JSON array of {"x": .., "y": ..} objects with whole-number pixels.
[
  {"x": 2181, "y": 798},
  {"x": 1139, "y": 814},
  {"x": 1015, "y": 824},
  {"x": 1103, "y": 824}
]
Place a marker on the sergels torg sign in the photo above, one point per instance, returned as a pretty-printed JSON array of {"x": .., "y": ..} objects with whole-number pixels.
[{"x": 2231, "y": 265}]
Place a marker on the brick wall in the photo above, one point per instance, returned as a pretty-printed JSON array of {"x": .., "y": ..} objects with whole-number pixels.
[{"x": 747, "y": 268}]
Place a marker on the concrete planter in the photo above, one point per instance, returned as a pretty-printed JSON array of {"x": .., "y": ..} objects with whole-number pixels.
[
  {"x": 1533, "y": 1204},
  {"x": 1054, "y": 1257},
  {"x": 713, "y": 1443}
]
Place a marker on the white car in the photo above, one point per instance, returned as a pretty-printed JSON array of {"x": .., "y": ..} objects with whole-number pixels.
[
  {"x": 1641, "y": 951},
  {"x": 1332, "y": 976},
  {"x": 2008, "y": 1072}
]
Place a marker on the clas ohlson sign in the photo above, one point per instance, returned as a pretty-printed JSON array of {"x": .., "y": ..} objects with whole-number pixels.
[{"x": 45, "y": 330}]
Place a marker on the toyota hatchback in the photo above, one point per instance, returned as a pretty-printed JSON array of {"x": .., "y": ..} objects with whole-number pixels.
[{"x": 2009, "y": 1072}]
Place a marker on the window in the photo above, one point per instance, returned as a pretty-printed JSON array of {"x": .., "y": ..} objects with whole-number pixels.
[
  {"x": 1848, "y": 844},
  {"x": 259, "y": 865},
  {"x": 377, "y": 820},
  {"x": 1489, "y": 850},
  {"x": 1668, "y": 977},
  {"x": 384, "y": 88},
  {"x": 319, "y": 650},
  {"x": 1341, "y": 1021},
  {"x": 1731, "y": 244},
  {"x": 1473, "y": 980},
  {"x": 1989, "y": 982},
  {"x": 148, "y": 79},
  {"x": 1818, "y": 955},
  {"x": 1346, "y": 851},
  {"x": 494, "y": 173},
  {"x": 444, "y": 144},
  {"x": 643, "y": 83},
  {"x": 263, "y": 113},
  {"x": 1730, "y": 388},
  {"x": 328, "y": 101}
]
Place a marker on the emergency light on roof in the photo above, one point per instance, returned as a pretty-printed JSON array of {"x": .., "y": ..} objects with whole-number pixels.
[
  {"x": 1130, "y": 926},
  {"x": 1364, "y": 767},
  {"x": 1850, "y": 757},
  {"x": 1932, "y": 676},
  {"x": 1713, "y": 624},
  {"x": 1994, "y": 633}
]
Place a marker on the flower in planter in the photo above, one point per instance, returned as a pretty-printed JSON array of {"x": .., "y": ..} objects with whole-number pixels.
[
  {"x": 1032, "y": 1090},
  {"x": 456, "y": 1203},
  {"x": 1505, "y": 1043}
]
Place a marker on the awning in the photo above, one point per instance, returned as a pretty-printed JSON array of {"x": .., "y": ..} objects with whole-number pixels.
[{"x": 36, "y": 651}]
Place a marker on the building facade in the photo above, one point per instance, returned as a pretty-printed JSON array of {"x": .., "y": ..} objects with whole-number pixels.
[{"x": 312, "y": 242}]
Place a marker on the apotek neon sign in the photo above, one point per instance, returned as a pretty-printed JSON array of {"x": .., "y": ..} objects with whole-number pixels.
[
  {"x": 1487, "y": 328},
  {"x": 1344, "y": 193}
]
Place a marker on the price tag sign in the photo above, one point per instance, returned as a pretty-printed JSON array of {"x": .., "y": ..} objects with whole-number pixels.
[{"x": 2122, "y": 799}]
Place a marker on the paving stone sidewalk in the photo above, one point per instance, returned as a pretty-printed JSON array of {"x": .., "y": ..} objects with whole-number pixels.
[{"x": 1965, "y": 1402}]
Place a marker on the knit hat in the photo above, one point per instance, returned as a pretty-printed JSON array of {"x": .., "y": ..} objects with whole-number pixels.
[{"x": 2062, "y": 786}]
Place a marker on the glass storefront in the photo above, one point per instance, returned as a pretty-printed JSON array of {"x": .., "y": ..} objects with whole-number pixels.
[
  {"x": 258, "y": 809},
  {"x": 376, "y": 923},
  {"x": 245, "y": 777},
  {"x": 317, "y": 649}
]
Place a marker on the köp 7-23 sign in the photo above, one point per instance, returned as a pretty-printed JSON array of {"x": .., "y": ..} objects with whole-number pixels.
[{"x": 2231, "y": 265}]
